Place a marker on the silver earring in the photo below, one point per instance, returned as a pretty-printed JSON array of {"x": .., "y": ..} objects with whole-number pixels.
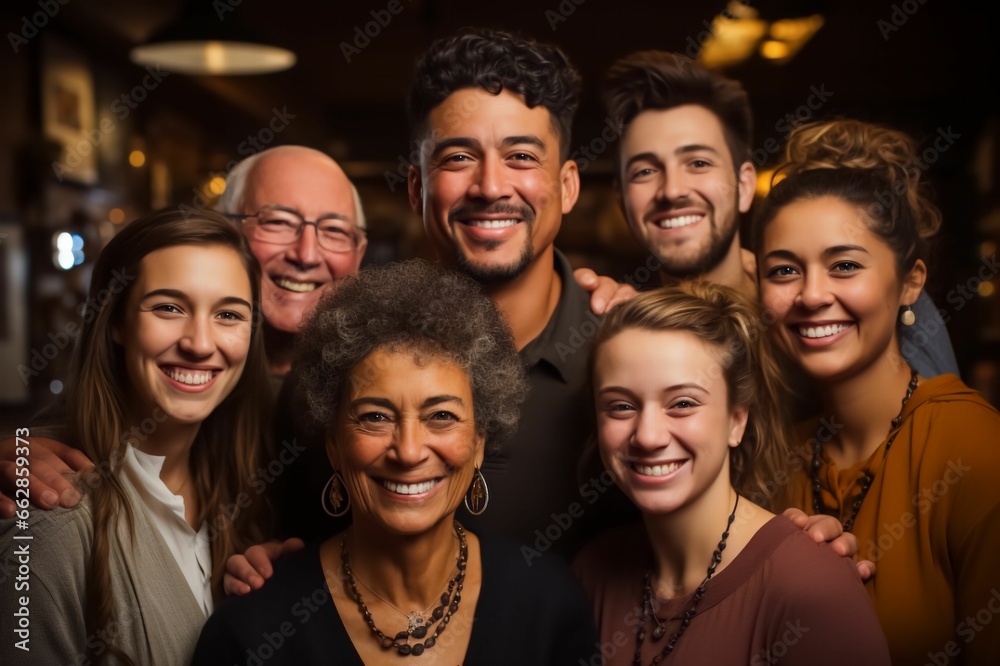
[
  {"x": 908, "y": 317},
  {"x": 334, "y": 498},
  {"x": 478, "y": 496}
]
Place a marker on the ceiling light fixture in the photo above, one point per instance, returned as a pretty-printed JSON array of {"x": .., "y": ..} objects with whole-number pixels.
[{"x": 202, "y": 42}]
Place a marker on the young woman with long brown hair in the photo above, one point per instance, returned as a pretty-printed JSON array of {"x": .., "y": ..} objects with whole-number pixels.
[{"x": 167, "y": 393}]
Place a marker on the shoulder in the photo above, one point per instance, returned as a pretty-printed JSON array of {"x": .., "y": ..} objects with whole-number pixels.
[
  {"x": 614, "y": 554},
  {"x": 58, "y": 533},
  {"x": 953, "y": 418}
]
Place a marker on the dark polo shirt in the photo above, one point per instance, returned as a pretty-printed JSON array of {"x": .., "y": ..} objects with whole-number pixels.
[{"x": 540, "y": 494}]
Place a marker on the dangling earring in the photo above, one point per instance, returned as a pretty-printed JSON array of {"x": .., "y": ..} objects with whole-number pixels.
[
  {"x": 908, "y": 317},
  {"x": 334, "y": 500},
  {"x": 478, "y": 496}
]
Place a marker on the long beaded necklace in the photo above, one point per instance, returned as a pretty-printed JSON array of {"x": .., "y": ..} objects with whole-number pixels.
[
  {"x": 401, "y": 641},
  {"x": 689, "y": 613},
  {"x": 414, "y": 619},
  {"x": 867, "y": 477}
]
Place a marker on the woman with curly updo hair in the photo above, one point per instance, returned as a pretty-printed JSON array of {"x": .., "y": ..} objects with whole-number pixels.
[
  {"x": 409, "y": 373},
  {"x": 908, "y": 464}
]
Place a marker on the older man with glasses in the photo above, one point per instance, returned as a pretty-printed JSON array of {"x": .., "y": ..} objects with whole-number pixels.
[{"x": 276, "y": 194}]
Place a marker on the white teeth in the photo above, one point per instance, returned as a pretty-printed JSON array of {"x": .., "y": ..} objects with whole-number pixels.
[
  {"x": 409, "y": 488},
  {"x": 682, "y": 221},
  {"x": 656, "y": 470},
  {"x": 195, "y": 378},
  {"x": 293, "y": 285},
  {"x": 492, "y": 224},
  {"x": 822, "y": 331}
]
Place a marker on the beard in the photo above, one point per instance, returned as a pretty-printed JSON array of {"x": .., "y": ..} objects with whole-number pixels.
[
  {"x": 720, "y": 239},
  {"x": 492, "y": 274}
]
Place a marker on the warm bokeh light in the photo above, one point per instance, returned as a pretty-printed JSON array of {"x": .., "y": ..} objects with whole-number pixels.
[
  {"x": 116, "y": 215},
  {"x": 217, "y": 185},
  {"x": 137, "y": 158},
  {"x": 987, "y": 248},
  {"x": 774, "y": 50},
  {"x": 986, "y": 289}
]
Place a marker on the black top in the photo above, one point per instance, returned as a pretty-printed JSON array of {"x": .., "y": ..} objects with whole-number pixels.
[
  {"x": 540, "y": 494},
  {"x": 526, "y": 614}
]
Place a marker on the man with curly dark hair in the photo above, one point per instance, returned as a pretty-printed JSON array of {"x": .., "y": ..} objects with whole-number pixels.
[{"x": 491, "y": 114}]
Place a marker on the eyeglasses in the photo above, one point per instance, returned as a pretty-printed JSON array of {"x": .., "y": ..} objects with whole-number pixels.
[{"x": 284, "y": 227}]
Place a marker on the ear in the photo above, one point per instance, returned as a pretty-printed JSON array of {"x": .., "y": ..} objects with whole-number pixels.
[
  {"x": 480, "y": 448},
  {"x": 913, "y": 283},
  {"x": 569, "y": 176},
  {"x": 415, "y": 188},
  {"x": 746, "y": 184},
  {"x": 738, "y": 426},
  {"x": 359, "y": 254}
]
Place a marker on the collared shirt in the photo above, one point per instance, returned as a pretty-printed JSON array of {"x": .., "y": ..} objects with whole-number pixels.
[
  {"x": 539, "y": 496},
  {"x": 191, "y": 550}
]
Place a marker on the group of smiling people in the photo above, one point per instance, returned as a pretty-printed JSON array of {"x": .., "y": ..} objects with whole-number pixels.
[{"x": 409, "y": 377}]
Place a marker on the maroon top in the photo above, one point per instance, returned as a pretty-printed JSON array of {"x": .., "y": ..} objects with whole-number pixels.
[{"x": 784, "y": 599}]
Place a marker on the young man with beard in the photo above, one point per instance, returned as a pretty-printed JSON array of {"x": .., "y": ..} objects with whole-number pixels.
[{"x": 685, "y": 175}]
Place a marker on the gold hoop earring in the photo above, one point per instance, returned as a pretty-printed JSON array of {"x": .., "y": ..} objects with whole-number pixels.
[
  {"x": 478, "y": 496},
  {"x": 333, "y": 498}
]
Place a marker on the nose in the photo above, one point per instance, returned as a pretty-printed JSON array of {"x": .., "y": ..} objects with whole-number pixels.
[
  {"x": 197, "y": 339},
  {"x": 491, "y": 181},
  {"x": 305, "y": 251},
  {"x": 408, "y": 448},
  {"x": 652, "y": 431},
  {"x": 674, "y": 185},
  {"x": 815, "y": 291}
]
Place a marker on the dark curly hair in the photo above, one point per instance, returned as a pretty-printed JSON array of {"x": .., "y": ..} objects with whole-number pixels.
[
  {"x": 410, "y": 306},
  {"x": 660, "y": 80},
  {"x": 494, "y": 61}
]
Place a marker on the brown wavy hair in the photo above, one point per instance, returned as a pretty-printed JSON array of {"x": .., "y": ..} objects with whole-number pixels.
[
  {"x": 225, "y": 451},
  {"x": 872, "y": 167},
  {"x": 732, "y": 323}
]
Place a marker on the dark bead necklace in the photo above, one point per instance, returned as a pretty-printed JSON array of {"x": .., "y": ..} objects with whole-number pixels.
[
  {"x": 690, "y": 611},
  {"x": 867, "y": 477},
  {"x": 401, "y": 642}
]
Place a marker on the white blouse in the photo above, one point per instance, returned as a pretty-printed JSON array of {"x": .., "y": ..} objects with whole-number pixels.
[{"x": 191, "y": 550}]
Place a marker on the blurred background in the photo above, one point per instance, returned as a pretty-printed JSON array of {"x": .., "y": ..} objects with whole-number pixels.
[{"x": 92, "y": 137}]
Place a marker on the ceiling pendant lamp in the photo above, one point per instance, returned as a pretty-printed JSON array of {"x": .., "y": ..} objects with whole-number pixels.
[{"x": 206, "y": 40}]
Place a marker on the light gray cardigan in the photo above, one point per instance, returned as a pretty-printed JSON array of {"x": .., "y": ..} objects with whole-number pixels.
[{"x": 156, "y": 613}]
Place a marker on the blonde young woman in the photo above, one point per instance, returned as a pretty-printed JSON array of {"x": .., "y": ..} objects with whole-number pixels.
[
  {"x": 690, "y": 426},
  {"x": 911, "y": 466}
]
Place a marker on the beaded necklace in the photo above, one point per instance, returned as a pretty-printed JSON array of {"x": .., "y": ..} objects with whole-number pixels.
[
  {"x": 401, "y": 641},
  {"x": 867, "y": 477},
  {"x": 689, "y": 613}
]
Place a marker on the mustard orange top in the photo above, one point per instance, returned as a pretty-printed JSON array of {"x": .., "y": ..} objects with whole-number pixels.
[{"x": 930, "y": 522}]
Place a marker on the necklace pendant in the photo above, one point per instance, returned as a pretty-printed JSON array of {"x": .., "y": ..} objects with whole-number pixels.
[
  {"x": 658, "y": 632},
  {"x": 414, "y": 620}
]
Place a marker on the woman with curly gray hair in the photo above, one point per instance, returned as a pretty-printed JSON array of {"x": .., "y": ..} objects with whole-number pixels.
[{"x": 409, "y": 372}]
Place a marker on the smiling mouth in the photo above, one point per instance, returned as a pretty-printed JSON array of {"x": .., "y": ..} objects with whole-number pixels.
[
  {"x": 490, "y": 224},
  {"x": 409, "y": 488},
  {"x": 655, "y": 470},
  {"x": 188, "y": 376},
  {"x": 677, "y": 222},
  {"x": 814, "y": 332},
  {"x": 295, "y": 285}
]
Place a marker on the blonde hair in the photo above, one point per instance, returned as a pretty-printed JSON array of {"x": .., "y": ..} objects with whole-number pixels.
[{"x": 730, "y": 321}]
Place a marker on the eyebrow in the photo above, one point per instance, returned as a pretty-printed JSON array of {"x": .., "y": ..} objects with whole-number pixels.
[
  {"x": 324, "y": 216},
  {"x": 689, "y": 148},
  {"x": 828, "y": 252},
  {"x": 180, "y": 295},
  {"x": 388, "y": 404},
  {"x": 675, "y": 387},
  {"x": 473, "y": 144}
]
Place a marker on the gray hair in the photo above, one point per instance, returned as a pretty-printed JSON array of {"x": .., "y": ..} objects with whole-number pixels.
[
  {"x": 231, "y": 201},
  {"x": 410, "y": 306}
]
